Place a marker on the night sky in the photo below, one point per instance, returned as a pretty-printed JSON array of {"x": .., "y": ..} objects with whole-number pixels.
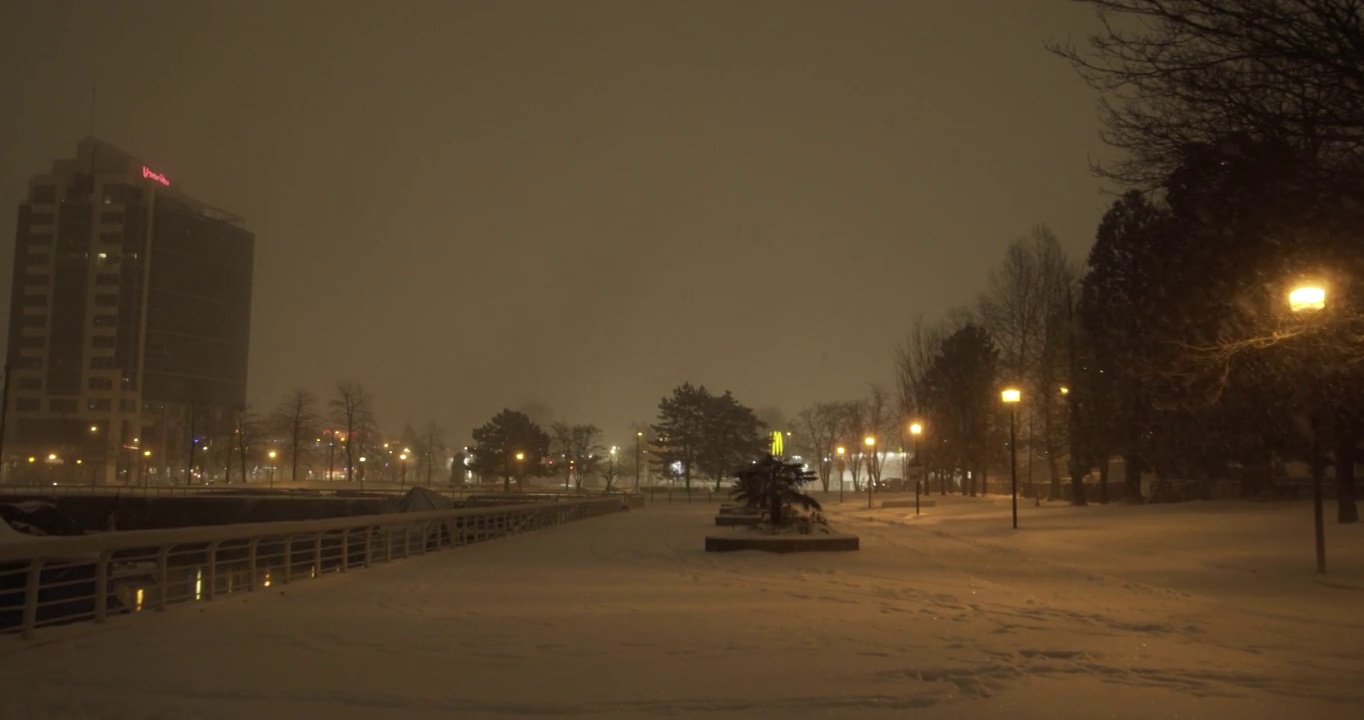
[{"x": 469, "y": 206}]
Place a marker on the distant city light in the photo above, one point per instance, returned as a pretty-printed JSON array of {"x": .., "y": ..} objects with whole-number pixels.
[{"x": 149, "y": 174}]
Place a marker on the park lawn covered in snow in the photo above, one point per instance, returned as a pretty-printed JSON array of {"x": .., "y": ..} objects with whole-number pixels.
[{"x": 1196, "y": 610}]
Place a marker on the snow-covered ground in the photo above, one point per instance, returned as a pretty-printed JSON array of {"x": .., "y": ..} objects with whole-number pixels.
[{"x": 1201, "y": 610}]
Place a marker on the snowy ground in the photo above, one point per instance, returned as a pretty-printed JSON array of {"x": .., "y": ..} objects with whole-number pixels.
[{"x": 1084, "y": 613}]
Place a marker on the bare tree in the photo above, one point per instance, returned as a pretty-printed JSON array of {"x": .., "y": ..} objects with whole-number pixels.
[
  {"x": 817, "y": 428},
  {"x": 1025, "y": 310},
  {"x": 429, "y": 446},
  {"x": 580, "y": 446},
  {"x": 297, "y": 418},
  {"x": 1181, "y": 73},
  {"x": 883, "y": 426},
  {"x": 853, "y": 429},
  {"x": 247, "y": 434},
  {"x": 913, "y": 358},
  {"x": 352, "y": 409}
]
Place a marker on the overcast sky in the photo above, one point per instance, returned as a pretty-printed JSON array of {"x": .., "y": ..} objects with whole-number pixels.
[{"x": 469, "y": 206}]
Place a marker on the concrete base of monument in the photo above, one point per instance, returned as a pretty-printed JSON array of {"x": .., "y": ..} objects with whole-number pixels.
[
  {"x": 737, "y": 520},
  {"x": 814, "y": 542}
]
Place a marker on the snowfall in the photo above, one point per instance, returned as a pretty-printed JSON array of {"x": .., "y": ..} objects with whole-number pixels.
[{"x": 1199, "y": 610}]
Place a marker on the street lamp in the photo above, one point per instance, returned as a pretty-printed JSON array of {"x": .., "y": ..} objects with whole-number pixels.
[
  {"x": 639, "y": 443},
  {"x": 840, "y": 452},
  {"x": 142, "y": 467},
  {"x": 871, "y": 447},
  {"x": 1011, "y": 397},
  {"x": 921, "y": 484},
  {"x": 402, "y": 479},
  {"x": 272, "y": 455},
  {"x": 1309, "y": 299}
]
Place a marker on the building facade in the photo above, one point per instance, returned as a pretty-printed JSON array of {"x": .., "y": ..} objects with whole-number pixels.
[{"x": 130, "y": 320}]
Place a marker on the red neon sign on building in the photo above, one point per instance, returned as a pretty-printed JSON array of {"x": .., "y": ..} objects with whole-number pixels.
[{"x": 149, "y": 174}]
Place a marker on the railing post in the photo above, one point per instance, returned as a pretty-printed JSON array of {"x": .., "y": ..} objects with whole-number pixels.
[
  {"x": 345, "y": 550},
  {"x": 33, "y": 585},
  {"x": 212, "y": 570},
  {"x": 388, "y": 544},
  {"x": 252, "y": 549},
  {"x": 288, "y": 558},
  {"x": 407, "y": 540},
  {"x": 162, "y": 577},
  {"x": 369, "y": 544},
  {"x": 102, "y": 586},
  {"x": 317, "y": 555}
]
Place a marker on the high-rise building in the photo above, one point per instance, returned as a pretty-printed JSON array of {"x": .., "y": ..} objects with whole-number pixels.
[{"x": 129, "y": 325}]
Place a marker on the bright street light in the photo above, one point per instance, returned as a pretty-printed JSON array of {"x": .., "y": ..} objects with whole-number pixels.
[
  {"x": 1311, "y": 298},
  {"x": 916, "y": 429},
  {"x": 1307, "y": 298},
  {"x": 1011, "y": 396}
]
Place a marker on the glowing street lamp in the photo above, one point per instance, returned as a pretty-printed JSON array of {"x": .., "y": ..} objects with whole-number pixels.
[
  {"x": 920, "y": 484},
  {"x": 402, "y": 460},
  {"x": 1011, "y": 397},
  {"x": 1310, "y": 298},
  {"x": 639, "y": 465},
  {"x": 1307, "y": 298},
  {"x": 272, "y": 455}
]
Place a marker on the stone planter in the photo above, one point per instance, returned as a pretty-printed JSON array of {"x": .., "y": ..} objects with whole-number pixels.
[
  {"x": 818, "y": 542},
  {"x": 737, "y": 520}
]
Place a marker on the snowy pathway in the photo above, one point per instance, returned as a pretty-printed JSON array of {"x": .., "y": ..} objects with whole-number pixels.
[{"x": 1085, "y": 613}]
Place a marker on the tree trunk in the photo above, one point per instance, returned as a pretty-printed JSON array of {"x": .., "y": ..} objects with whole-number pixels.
[
  {"x": 1055, "y": 471},
  {"x": 1346, "y": 510},
  {"x": 1131, "y": 476},
  {"x": 1077, "y": 486},
  {"x": 1103, "y": 479}
]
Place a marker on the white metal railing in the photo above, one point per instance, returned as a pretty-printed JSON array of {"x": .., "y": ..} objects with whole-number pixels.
[
  {"x": 310, "y": 489},
  {"x": 57, "y": 580}
]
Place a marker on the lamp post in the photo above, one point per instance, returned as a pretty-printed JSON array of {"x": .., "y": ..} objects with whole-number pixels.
[
  {"x": 272, "y": 455},
  {"x": 1011, "y": 396},
  {"x": 142, "y": 467},
  {"x": 520, "y": 458},
  {"x": 915, "y": 430},
  {"x": 840, "y": 452},
  {"x": 1310, "y": 299},
  {"x": 612, "y": 473},
  {"x": 639, "y": 443},
  {"x": 871, "y": 447},
  {"x": 402, "y": 476}
]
